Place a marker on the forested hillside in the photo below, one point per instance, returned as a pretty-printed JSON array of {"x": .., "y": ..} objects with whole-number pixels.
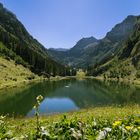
[
  {"x": 125, "y": 63},
  {"x": 19, "y": 45}
]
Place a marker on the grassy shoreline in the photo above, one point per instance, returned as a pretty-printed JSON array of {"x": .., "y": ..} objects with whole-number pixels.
[
  {"x": 135, "y": 82},
  {"x": 107, "y": 112},
  {"x": 80, "y": 75},
  {"x": 27, "y": 82},
  {"x": 20, "y": 126},
  {"x": 19, "y": 84}
]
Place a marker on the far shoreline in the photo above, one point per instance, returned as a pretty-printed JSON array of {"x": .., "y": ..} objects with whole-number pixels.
[{"x": 58, "y": 78}]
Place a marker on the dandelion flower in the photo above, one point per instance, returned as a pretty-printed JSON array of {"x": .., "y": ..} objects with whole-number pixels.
[
  {"x": 117, "y": 123},
  {"x": 138, "y": 127},
  {"x": 129, "y": 127}
]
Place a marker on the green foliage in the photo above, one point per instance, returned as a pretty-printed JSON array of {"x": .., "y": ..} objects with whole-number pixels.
[
  {"x": 72, "y": 128},
  {"x": 138, "y": 74},
  {"x": 9, "y": 54},
  {"x": 30, "y": 77},
  {"x": 2, "y": 126},
  {"x": 38, "y": 127},
  {"x": 75, "y": 129}
]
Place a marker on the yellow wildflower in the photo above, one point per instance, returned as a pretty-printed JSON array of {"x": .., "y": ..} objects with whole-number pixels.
[
  {"x": 128, "y": 127},
  {"x": 116, "y": 123},
  {"x": 138, "y": 127}
]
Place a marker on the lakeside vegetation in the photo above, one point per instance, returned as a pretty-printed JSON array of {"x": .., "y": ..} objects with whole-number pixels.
[
  {"x": 12, "y": 75},
  {"x": 96, "y": 123}
]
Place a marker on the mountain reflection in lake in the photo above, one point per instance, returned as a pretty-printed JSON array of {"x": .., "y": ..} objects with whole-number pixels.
[{"x": 66, "y": 95}]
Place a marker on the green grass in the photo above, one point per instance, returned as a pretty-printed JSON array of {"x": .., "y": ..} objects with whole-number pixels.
[
  {"x": 60, "y": 126},
  {"x": 12, "y": 74}
]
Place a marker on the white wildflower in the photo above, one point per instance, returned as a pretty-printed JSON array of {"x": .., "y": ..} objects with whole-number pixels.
[
  {"x": 135, "y": 130},
  {"x": 2, "y": 117},
  {"x": 76, "y": 134},
  {"x": 44, "y": 131},
  {"x": 42, "y": 128},
  {"x": 107, "y": 129},
  {"x": 1, "y": 122},
  {"x": 102, "y": 135},
  {"x": 72, "y": 129}
]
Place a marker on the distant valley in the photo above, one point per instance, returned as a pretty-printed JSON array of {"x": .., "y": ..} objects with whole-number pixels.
[
  {"x": 108, "y": 56},
  {"x": 91, "y": 51}
]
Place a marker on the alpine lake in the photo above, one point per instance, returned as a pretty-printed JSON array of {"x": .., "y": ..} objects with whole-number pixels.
[{"x": 65, "y": 96}]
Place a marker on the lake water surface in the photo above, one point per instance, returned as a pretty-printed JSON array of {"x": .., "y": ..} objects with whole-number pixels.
[{"x": 66, "y": 95}]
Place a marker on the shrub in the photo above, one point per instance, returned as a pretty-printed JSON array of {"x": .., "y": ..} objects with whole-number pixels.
[
  {"x": 138, "y": 74},
  {"x": 30, "y": 77},
  {"x": 14, "y": 79}
]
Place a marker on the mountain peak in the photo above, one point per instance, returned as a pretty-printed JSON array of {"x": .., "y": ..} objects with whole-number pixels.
[
  {"x": 1, "y": 5},
  {"x": 130, "y": 17},
  {"x": 87, "y": 39},
  {"x": 82, "y": 43},
  {"x": 121, "y": 30}
]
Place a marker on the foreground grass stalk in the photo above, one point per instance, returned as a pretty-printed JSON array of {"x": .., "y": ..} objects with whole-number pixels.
[{"x": 38, "y": 101}]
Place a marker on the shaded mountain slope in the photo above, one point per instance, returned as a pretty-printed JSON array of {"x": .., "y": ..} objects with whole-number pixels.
[
  {"x": 23, "y": 48},
  {"x": 126, "y": 63},
  {"x": 94, "y": 52}
]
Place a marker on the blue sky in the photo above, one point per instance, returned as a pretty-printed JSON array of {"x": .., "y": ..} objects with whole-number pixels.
[{"x": 61, "y": 23}]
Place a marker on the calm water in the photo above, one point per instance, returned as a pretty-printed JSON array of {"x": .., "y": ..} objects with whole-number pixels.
[{"x": 66, "y": 95}]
